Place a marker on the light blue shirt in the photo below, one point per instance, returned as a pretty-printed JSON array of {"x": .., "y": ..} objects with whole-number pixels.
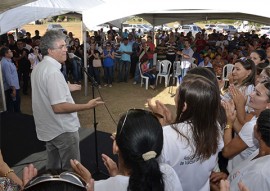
[
  {"x": 125, "y": 48},
  {"x": 201, "y": 64},
  {"x": 10, "y": 75}
]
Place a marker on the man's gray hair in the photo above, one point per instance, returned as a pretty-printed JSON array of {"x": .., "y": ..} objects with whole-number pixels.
[{"x": 49, "y": 39}]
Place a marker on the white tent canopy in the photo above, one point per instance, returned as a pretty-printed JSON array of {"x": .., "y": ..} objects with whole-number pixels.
[
  {"x": 16, "y": 17},
  {"x": 156, "y": 12},
  {"x": 160, "y": 11}
]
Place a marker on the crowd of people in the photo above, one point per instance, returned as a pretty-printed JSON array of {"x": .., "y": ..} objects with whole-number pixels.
[{"x": 215, "y": 140}]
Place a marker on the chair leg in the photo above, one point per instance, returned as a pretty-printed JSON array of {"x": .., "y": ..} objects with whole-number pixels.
[{"x": 146, "y": 83}]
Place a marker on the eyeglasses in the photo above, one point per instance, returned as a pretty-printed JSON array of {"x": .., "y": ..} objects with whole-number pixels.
[
  {"x": 61, "y": 47},
  {"x": 157, "y": 115},
  {"x": 68, "y": 177}
]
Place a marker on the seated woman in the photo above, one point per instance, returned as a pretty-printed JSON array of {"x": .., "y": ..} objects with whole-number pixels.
[
  {"x": 8, "y": 179},
  {"x": 193, "y": 140},
  {"x": 138, "y": 142},
  {"x": 148, "y": 72},
  {"x": 254, "y": 171},
  {"x": 242, "y": 145}
]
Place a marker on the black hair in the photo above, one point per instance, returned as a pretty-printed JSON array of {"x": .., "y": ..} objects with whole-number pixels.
[
  {"x": 201, "y": 99},
  {"x": 261, "y": 53},
  {"x": 248, "y": 64},
  {"x": 3, "y": 51},
  {"x": 266, "y": 84},
  {"x": 260, "y": 67},
  {"x": 139, "y": 132},
  {"x": 263, "y": 126}
]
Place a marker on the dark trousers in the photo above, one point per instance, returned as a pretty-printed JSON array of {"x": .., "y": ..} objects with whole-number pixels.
[
  {"x": 13, "y": 105},
  {"x": 94, "y": 72},
  {"x": 24, "y": 76}
]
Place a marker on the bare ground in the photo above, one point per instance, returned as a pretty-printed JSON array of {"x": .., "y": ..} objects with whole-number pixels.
[{"x": 118, "y": 99}]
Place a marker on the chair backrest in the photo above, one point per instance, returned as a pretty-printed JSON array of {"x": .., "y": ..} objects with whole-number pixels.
[
  {"x": 227, "y": 69},
  {"x": 164, "y": 67},
  {"x": 177, "y": 68},
  {"x": 155, "y": 59}
]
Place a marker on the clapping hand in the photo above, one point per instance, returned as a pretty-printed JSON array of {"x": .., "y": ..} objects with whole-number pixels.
[
  {"x": 110, "y": 165},
  {"x": 84, "y": 173},
  {"x": 162, "y": 110}
]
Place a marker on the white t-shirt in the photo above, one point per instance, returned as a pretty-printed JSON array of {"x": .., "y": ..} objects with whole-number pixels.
[
  {"x": 120, "y": 182},
  {"x": 49, "y": 88},
  {"x": 247, "y": 135},
  {"x": 35, "y": 58},
  {"x": 253, "y": 173},
  {"x": 193, "y": 174}
]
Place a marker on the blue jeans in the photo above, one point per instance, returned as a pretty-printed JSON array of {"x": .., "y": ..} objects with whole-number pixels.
[
  {"x": 76, "y": 70},
  {"x": 13, "y": 105},
  {"x": 151, "y": 61},
  {"x": 152, "y": 78},
  {"x": 108, "y": 74},
  {"x": 95, "y": 73},
  {"x": 123, "y": 70},
  {"x": 137, "y": 75}
]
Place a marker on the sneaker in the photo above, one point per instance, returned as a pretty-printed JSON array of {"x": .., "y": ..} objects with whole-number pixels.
[
  {"x": 134, "y": 82},
  {"x": 105, "y": 85},
  {"x": 110, "y": 85}
]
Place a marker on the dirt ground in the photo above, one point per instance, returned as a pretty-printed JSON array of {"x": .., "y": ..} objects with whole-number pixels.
[{"x": 118, "y": 99}]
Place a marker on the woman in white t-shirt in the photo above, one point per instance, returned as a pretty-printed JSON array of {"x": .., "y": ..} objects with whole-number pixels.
[
  {"x": 254, "y": 171},
  {"x": 242, "y": 145},
  {"x": 193, "y": 140},
  {"x": 34, "y": 57},
  {"x": 138, "y": 142}
]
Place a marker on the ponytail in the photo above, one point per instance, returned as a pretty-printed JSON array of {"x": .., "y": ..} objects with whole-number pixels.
[{"x": 140, "y": 140}]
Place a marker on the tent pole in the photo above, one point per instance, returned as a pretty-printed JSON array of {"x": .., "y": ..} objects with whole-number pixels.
[{"x": 84, "y": 58}]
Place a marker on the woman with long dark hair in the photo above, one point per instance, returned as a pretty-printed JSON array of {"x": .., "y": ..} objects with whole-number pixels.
[{"x": 192, "y": 140}]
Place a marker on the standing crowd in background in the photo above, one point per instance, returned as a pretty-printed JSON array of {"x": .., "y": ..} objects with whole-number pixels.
[{"x": 216, "y": 139}]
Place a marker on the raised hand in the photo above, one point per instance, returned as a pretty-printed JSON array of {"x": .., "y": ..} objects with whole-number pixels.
[
  {"x": 81, "y": 170},
  {"x": 110, "y": 165},
  {"x": 29, "y": 172}
]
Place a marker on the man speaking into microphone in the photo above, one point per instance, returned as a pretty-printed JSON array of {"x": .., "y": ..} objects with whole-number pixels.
[{"x": 54, "y": 110}]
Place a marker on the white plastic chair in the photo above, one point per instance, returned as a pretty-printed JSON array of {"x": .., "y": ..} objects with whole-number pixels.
[
  {"x": 154, "y": 59},
  {"x": 177, "y": 72},
  {"x": 227, "y": 69},
  {"x": 164, "y": 71},
  {"x": 143, "y": 77}
]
